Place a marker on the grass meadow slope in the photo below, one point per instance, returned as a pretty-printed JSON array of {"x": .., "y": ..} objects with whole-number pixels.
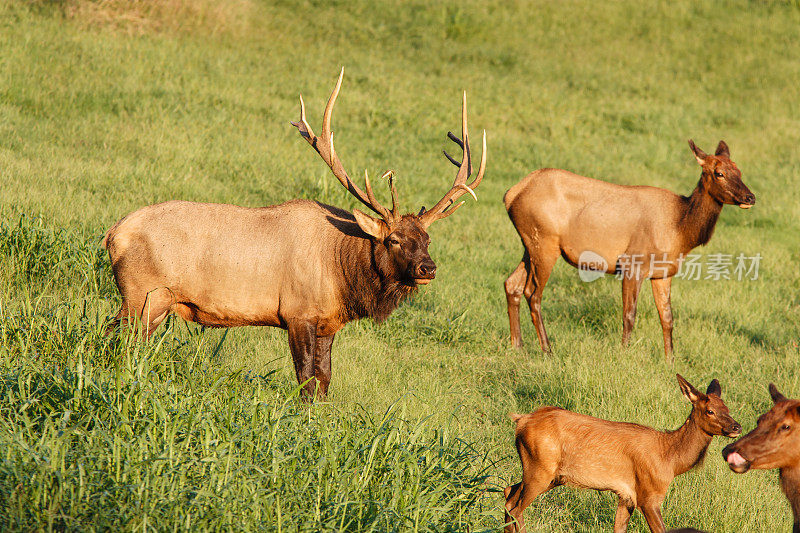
[{"x": 109, "y": 105}]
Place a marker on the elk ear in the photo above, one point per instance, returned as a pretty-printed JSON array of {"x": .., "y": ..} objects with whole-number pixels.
[
  {"x": 373, "y": 227},
  {"x": 700, "y": 155},
  {"x": 688, "y": 390},
  {"x": 722, "y": 149},
  {"x": 776, "y": 396},
  {"x": 714, "y": 388}
]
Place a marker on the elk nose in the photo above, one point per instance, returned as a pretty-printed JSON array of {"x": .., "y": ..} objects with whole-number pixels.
[
  {"x": 727, "y": 450},
  {"x": 736, "y": 427},
  {"x": 750, "y": 198},
  {"x": 426, "y": 269}
]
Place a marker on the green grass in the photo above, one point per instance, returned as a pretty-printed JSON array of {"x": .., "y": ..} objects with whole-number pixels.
[{"x": 200, "y": 429}]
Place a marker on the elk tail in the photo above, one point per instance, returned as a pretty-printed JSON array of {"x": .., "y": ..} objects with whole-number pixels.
[{"x": 107, "y": 236}]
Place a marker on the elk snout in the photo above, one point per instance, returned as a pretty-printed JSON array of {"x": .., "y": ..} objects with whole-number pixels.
[
  {"x": 733, "y": 430},
  {"x": 735, "y": 461},
  {"x": 748, "y": 200},
  {"x": 425, "y": 272}
]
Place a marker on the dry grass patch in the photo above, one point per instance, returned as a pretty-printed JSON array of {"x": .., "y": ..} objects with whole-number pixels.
[{"x": 136, "y": 17}]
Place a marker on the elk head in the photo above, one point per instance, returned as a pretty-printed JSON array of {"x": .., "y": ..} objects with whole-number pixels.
[
  {"x": 774, "y": 441},
  {"x": 402, "y": 240},
  {"x": 709, "y": 412},
  {"x": 721, "y": 177}
]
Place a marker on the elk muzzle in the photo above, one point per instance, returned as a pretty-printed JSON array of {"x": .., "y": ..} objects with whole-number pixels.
[
  {"x": 424, "y": 272},
  {"x": 733, "y": 430},
  {"x": 749, "y": 201},
  {"x": 735, "y": 460}
]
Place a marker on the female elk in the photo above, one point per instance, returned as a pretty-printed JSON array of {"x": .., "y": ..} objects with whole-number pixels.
[
  {"x": 637, "y": 463},
  {"x": 639, "y": 232},
  {"x": 302, "y": 266},
  {"x": 774, "y": 443}
]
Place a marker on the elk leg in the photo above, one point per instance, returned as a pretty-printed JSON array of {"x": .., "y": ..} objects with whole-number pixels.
[
  {"x": 302, "y": 341},
  {"x": 520, "y": 496},
  {"x": 630, "y": 295},
  {"x": 123, "y": 315},
  {"x": 537, "y": 479},
  {"x": 652, "y": 513},
  {"x": 541, "y": 265},
  {"x": 661, "y": 294},
  {"x": 322, "y": 365},
  {"x": 514, "y": 285},
  {"x": 625, "y": 508},
  {"x": 157, "y": 305},
  {"x": 512, "y": 495}
]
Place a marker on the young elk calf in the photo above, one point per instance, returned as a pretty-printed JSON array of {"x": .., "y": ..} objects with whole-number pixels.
[
  {"x": 637, "y": 463},
  {"x": 774, "y": 443},
  {"x": 638, "y": 232}
]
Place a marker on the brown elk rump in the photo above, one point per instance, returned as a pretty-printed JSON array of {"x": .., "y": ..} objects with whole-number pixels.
[{"x": 303, "y": 266}]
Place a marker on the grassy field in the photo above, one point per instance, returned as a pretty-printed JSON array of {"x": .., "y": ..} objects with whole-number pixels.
[{"x": 107, "y": 106}]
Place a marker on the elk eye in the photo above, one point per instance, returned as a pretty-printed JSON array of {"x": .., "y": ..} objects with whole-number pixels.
[
  {"x": 786, "y": 427},
  {"x": 393, "y": 241},
  {"x": 709, "y": 412},
  {"x": 718, "y": 174}
]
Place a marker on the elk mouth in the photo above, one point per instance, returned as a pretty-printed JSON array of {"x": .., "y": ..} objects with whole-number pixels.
[
  {"x": 423, "y": 273},
  {"x": 736, "y": 461},
  {"x": 748, "y": 201},
  {"x": 424, "y": 280},
  {"x": 733, "y": 431}
]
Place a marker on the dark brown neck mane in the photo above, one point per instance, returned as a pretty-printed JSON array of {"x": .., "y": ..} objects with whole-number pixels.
[
  {"x": 699, "y": 217},
  {"x": 373, "y": 287}
]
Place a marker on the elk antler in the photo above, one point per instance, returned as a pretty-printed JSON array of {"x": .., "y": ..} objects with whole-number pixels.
[
  {"x": 443, "y": 208},
  {"x": 324, "y": 147}
]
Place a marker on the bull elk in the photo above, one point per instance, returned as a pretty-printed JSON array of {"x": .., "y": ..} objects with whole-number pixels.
[
  {"x": 302, "y": 265},
  {"x": 637, "y": 463},
  {"x": 774, "y": 443},
  {"x": 637, "y": 231}
]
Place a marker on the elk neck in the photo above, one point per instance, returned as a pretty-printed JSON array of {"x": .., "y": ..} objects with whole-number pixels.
[
  {"x": 686, "y": 447},
  {"x": 790, "y": 485},
  {"x": 373, "y": 288},
  {"x": 698, "y": 216}
]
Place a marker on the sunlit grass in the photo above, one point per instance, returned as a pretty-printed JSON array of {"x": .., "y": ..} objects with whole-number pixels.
[{"x": 99, "y": 117}]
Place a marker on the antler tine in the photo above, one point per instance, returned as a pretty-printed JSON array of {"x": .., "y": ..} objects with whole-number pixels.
[
  {"x": 443, "y": 208},
  {"x": 451, "y": 158},
  {"x": 309, "y": 132},
  {"x": 443, "y": 214},
  {"x": 481, "y": 166},
  {"x": 382, "y": 211},
  {"x": 395, "y": 202},
  {"x": 326, "y": 116},
  {"x": 324, "y": 147},
  {"x": 466, "y": 163}
]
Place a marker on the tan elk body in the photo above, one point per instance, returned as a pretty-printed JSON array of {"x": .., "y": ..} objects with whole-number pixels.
[
  {"x": 638, "y": 231},
  {"x": 249, "y": 266},
  {"x": 303, "y": 266},
  {"x": 637, "y": 463},
  {"x": 774, "y": 443}
]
